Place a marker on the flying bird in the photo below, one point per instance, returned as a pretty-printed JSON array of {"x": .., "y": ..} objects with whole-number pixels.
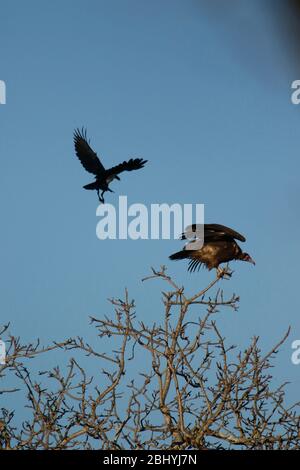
[
  {"x": 92, "y": 164},
  {"x": 211, "y": 246}
]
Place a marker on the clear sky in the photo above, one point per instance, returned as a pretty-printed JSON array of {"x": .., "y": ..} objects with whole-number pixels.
[{"x": 204, "y": 95}]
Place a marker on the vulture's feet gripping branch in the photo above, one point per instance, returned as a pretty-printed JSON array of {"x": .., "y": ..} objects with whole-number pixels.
[{"x": 224, "y": 273}]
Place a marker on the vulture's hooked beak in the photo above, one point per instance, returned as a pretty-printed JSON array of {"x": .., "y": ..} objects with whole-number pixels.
[{"x": 246, "y": 257}]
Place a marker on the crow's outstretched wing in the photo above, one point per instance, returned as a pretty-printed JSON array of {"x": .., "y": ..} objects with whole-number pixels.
[
  {"x": 86, "y": 155},
  {"x": 132, "y": 164},
  {"x": 212, "y": 232}
]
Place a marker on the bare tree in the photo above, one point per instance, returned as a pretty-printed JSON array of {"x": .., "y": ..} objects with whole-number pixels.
[{"x": 174, "y": 385}]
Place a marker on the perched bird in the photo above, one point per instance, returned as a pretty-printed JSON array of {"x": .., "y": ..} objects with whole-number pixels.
[
  {"x": 92, "y": 164},
  {"x": 217, "y": 246}
]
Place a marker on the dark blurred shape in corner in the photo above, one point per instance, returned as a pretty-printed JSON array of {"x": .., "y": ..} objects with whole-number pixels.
[
  {"x": 263, "y": 34},
  {"x": 288, "y": 21}
]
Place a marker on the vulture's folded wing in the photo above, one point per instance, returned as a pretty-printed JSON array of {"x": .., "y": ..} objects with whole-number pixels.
[
  {"x": 86, "y": 155},
  {"x": 132, "y": 164},
  {"x": 221, "y": 232},
  {"x": 211, "y": 232}
]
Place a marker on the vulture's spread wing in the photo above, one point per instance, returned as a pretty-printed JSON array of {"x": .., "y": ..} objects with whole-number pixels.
[
  {"x": 132, "y": 164},
  {"x": 86, "y": 155}
]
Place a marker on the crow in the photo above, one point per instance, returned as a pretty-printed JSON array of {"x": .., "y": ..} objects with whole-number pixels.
[
  {"x": 217, "y": 246},
  {"x": 92, "y": 164}
]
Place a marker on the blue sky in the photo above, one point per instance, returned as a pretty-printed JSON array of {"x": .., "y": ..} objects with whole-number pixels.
[{"x": 204, "y": 95}]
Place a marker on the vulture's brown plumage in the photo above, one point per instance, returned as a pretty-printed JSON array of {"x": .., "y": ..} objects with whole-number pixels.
[
  {"x": 210, "y": 245},
  {"x": 92, "y": 164}
]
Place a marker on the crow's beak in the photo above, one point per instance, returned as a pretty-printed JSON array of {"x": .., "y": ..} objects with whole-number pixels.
[{"x": 250, "y": 260}]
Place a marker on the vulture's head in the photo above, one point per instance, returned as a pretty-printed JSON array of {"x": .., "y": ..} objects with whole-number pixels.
[{"x": 246, "y": 257}]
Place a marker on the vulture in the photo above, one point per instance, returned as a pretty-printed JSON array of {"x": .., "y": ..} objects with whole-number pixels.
[
  {"x": 92, "y": 164},
  {"x": 210, "y": 245}
]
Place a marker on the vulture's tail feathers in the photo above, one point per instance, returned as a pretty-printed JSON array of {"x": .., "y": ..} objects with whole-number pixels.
[{"x": 179, "y": 255}]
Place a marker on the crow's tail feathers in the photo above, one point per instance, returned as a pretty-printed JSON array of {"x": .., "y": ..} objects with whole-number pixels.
[{"x": 91, "y": 185}]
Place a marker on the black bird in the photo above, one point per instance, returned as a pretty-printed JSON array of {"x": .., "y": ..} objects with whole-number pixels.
[
  {"x": 92, "y": 164},
  {"x": 217, "y": 246}
]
